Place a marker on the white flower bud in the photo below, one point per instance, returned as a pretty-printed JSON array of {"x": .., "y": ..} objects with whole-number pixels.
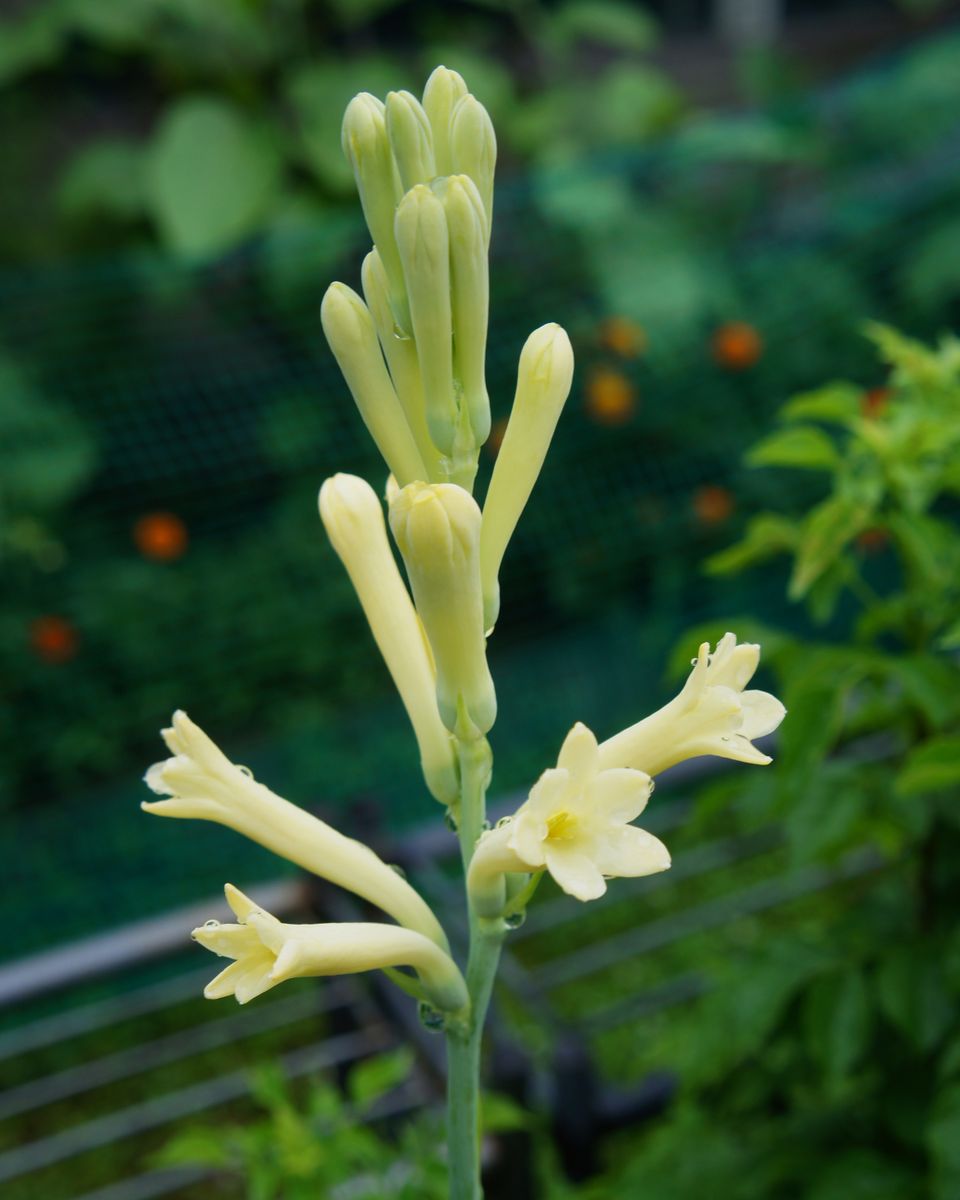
[
  {"x": 400, "y": 352},
  {"x": 423, "y": 240},
  {"x": 473, "y": 148},
  {"x": 544, "y": 376},
  {"x": 353, "y": 518},
  {"x": 367, "y": 149},
  {"x": 470, "y": 294},
  {"x": 409, "y": 131},
  {"x": 444, "y": 88},
  {"x": 437, "y": 527},
  {"x": 353, "y": 339}
]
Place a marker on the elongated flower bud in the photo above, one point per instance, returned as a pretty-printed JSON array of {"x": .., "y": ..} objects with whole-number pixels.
[
  {"x": 473, "y": 148},
  {"x": 410, "y": 138},
  {"x": 437, "y": 527},
  {"x": 444, "y": 88},
  {"x": 543, "y": 384},
  {"x": 353, "y": 518},
  {"x": 470, "y": 294},
  {"x": 422, "y": 238},
  {"x": 200, "y": 782},
  {"x": 353, "y": 340},
  {"x": 367, "y": 149},
  {"x": 401, "y": 355},
  {"x": 267, "y": 952}
]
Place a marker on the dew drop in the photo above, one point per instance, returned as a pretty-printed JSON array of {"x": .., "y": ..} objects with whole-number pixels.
[
  {"x": 211, "y": 924},
  {"x": 450, "y": 820},
  {"x": 504, "y": 821},
  {"x": 430, "y": 1018},
  {"x": 515, "y": 920},
  {"x": 246, "y": 771},
  {"x": 398, "y": 870}
]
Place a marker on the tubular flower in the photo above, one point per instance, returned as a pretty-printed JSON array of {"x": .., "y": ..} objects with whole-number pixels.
[
  {"x": 437, "y": 528},
  {"x": 576, "y": 824},
  {"x": 352, "y": 336},
  {"x": 711, "y": 715},
  {"x": 353, "y": 518},
  {"x": 267, "y": 951},
  {"x": 202, "y": 783},
  {"x": 544, "y": 376}
]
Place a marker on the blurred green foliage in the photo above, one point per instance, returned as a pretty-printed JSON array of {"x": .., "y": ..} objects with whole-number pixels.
[
  {"x": 826, "y": 1063},
  {"x": 230, "y": 113}
]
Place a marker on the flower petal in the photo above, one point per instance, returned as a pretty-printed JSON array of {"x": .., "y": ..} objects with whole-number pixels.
[
  {"x": 575, "y": 872},
  {"x": 631, "y": 852},
  {"x": 762, "y": 713},
  {"x": 736, "y": 667},
  {"x": 547, "y": 794},
  {"x": 620, "y": 794},
  {"x": 528, "y": 832},
  {"x": 229, "y": 941},
  {"x": 239, "y": 975},
  {"x": 579, "y": 754}
]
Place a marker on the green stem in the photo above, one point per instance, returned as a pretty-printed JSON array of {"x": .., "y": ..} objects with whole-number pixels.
[{"x": 464, "y": 1043}]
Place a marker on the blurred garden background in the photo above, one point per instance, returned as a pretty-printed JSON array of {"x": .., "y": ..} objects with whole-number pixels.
[{"x": 715, "y": 198}]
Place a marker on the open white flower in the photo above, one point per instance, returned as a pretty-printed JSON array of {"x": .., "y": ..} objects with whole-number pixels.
[
  {"x": 576, "y": 824},
  {"x": 202, "y": 783},
  {"x": 711, "y": 715},
  {"x": 267, "y": 951}
]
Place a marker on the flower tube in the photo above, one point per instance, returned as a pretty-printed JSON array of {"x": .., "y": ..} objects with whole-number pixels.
[
  {"x": 424, "y": 243},
  {"x": 353, "y": 339},
  {"x": 366, "y": 147},
  {"x": 202, "y": 783},
  {"x": 470, "y": 294},
  {"x": 711, "y": 715},
  {"x": 401, "y": 355},
  {"x": 437, "y": 527},
  {"x": 544, "y": 376},
  {"x": 443, "y": 89},
  {"x": 575, "y": 824},
  {"x": 473, "y": 148},
  {"x": 409, "y": 132},
  {"x": 267, "y": 951},
  {"x": 353, "y": 518}
]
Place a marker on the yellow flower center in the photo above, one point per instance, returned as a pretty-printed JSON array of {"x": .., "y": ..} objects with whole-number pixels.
[{"x": 562, "y": 826}]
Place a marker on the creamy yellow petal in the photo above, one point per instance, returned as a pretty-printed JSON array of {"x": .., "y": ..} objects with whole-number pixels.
[{"x": 575, "y": 872}]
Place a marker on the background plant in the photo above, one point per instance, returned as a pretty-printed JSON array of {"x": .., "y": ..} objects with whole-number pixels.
[{"x": 827, "y": 1062}]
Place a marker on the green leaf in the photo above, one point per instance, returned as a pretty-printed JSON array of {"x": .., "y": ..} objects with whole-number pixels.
[
  {"x": 212, "y": 174},
  {"x": 951, "y": 639},
  {"x": 943, "y": 1144},
  {"x": 930, "y": 548},
  {"x": 930, "y": 684},
  {"x": 104, "y": 178},
  {"x": 765, "y": 536},
  {"x": 914, "y": 996},
  {"x": 606, "y": 22},
  {"x": 801, "y": 446},
  {"x": 932, "y": 767},
  {"x": 837, "y": 1020},
  {"x": 502, "y": 1114},
  {"x": 834, "y": 403},
  {"x": 35, "y": 40},
  {"x": 373, "y": 1078},
  {"x": 931, "y": 272},
  {"x": 828, "y": 528}
]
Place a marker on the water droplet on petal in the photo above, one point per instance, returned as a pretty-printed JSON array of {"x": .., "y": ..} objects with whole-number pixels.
[
  {"x": 211, "y": 924},
  {"x": 503, "y": 822},
  {"x": 245, "y": 771},
  {"x": 398, "y": 870}
]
